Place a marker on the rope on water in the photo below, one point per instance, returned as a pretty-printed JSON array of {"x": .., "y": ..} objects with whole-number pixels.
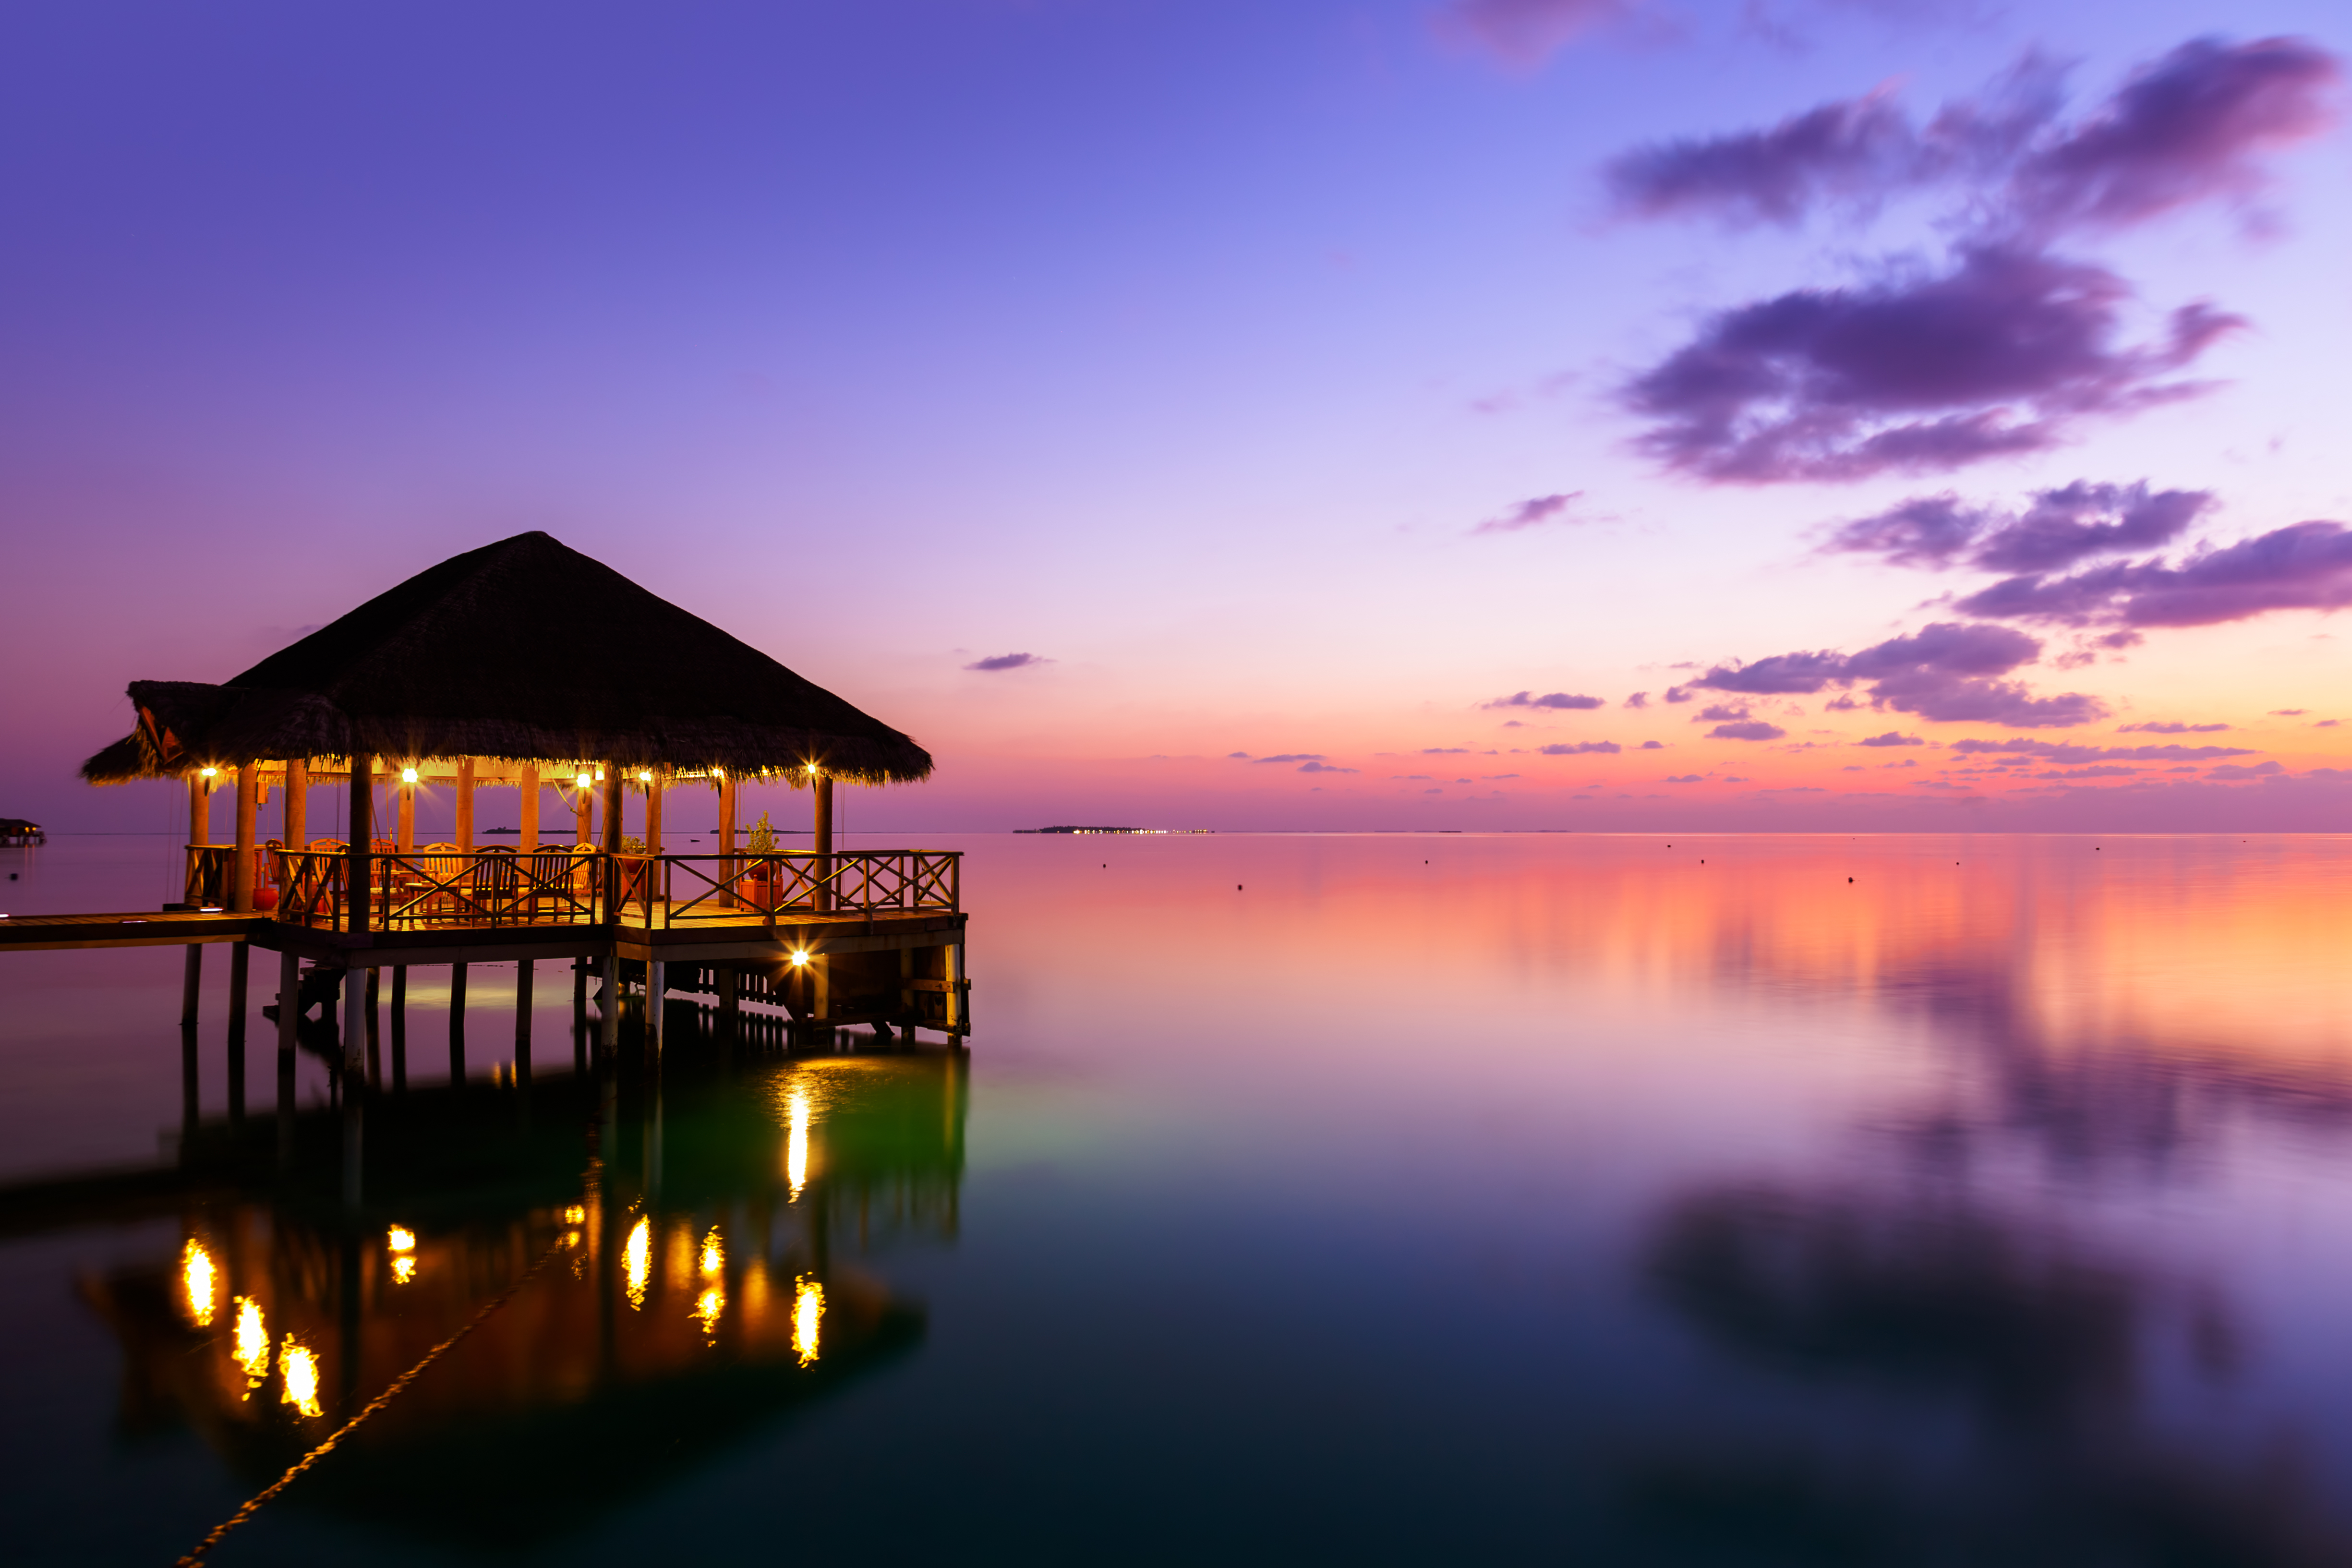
[{"x": 220, "y": 1531}]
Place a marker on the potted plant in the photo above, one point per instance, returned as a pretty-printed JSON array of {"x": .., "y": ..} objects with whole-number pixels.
[{"x": 759, "y": 871}]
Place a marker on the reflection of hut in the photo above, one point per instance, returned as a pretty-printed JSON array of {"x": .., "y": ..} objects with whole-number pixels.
[
  {"x": 706, "y": 1282},
  {"x": 17, "y": 830}
]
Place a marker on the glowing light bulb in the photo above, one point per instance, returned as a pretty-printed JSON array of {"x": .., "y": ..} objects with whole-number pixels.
[
  {"x": 577, "y": 1214},
  {"x": 714, "y": 1254},
  {"x": 637, "y": 1262},
  {"x": 408, "y": 776},
  {"x": 808, "y": 1314},
  {"x": 644, "y": 775},
  {"x": 403, "y": 1270},
  {"x": 600, "y": 775},
  {"x": 800, "y": 958},
  {"x": 583, "y": 781},
  {"x": 400, "y": 1238},
  {"x": 300, "y": 1364},
  {"x": 209, "y": 773},
  {"x": 199, "y": 1278}
]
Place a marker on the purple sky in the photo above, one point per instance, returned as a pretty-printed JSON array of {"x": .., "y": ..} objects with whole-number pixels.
[{"x": 1415, "y": 413}]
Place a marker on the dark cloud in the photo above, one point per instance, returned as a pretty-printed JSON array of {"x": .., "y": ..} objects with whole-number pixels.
[
  {"x": 1444, "y": 750},
  {"x": 1716, "y": 711},
  {"x": 1686, "y": 778},
  {"x": 2168, "y": 727},
  {"x": 2057, "y": 528},
  {"x": 2303, "y": 566},
  {"x": 1653, "y": 745},
  {"x": 2001, "y": 354},
  {"x": 1243, "y": 755},
  {"x": 1292, "y": 757},
  {"x": 1945, "y": 672},
  {"x": 2062, "y": 752},
  {"x": 1008, "y": 661},
  {"x": 1530, "y": 513},
  {"x": 1753, "y": 730},
  {"x": 1311, "y": 766},
  {"x": 1527, "y": 32},
  {"x": 1892, "y": 738},
  {"x": 1579, "y": 749},
  {"x": 1549, "y": 699},
  {"x": 2184, "y": 129}
]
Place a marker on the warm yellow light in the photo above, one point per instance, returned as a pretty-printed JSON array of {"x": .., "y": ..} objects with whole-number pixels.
[
  {"x": 811, "y": 769},
  {"x": 808, "y": 1312},
  {"x": 199, "y": 1280},
  {"x": 714, "y": 1254},
  {"x": 301, "y": 1366},
  {"x": 404, "y": 1268},
  {"x": 707, "y": 1308},
  {"x": 644, "y": 775},
  {"x": 408, "y": 776},
  {"x": 400, "y": 1238},
  {"x": 637, "y": 1260},
  {"x": 600, "y": 775},
  {"x": 583, "y": 781},
  {"x": 575, "y": 1214},
  {"x": 252, "y": 1343},
  {"x": 796, "y": 1143},
  {"x": 800, "y": 958},
  {"x": 209, "y": 773}
]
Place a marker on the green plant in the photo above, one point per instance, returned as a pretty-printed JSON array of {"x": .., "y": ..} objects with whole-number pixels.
[
  {"x": 764, "y": 837},
  {"x": 633, "y": 844}
]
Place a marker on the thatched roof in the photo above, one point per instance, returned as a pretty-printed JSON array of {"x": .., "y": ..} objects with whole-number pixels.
[{"x": 524, "y": 650}]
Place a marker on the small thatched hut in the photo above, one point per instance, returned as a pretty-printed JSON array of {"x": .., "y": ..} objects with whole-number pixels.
[{"x": 520, "y": 656}]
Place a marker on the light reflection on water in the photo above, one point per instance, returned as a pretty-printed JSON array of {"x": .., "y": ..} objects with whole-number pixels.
[{"x": 1429, "y": 1198}]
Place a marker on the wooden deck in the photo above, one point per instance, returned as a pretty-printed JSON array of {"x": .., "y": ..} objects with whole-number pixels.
[{"x": 164, "y": 928}]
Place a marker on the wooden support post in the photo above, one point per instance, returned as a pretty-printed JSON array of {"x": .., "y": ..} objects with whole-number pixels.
[
  {"x": 400, "y": 1028},
  {"x": 822, "y": 841},
  {"x": 727, "y": 837},
  {"x": 955, "y": 1018},
  {"x": 358, "y": 873},
  {"x": 657, "y": 974},
  {"x": 240, "y": 958},
  {"x": 465, "y": 838},
  {"x": 294, "y": 808},
  {"x": 654, "y": 786},
  {"x": 403, "y": 832},
  {"x": 523, "y": 977},
  {"x": 456, "y": 1023},
  {"x": 527, "y": 791},
  {"x": 355, "y": 1009},
  {"x": 608, "y": 1022},
  {"x": 249, "y": 810},
  {"x": 584, "y": 804},
  {"x": 192, "y": 980},
  {"x": 200, "y": 816},
  {"x": 290, "y": 1024}
]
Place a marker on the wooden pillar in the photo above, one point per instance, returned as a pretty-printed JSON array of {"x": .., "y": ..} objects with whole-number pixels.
[
  {"x": 657, "y": 977},
  {"x": 192, "y": 980},
  {"x": 354, "y": 1033},
  {"x": 526, "y": 788},
  {"x": 294, "y": 813},
  {"x": 357, "y": 872},
  {"x": 400, "y": 1027},
  {"x": 465, "y": 836},
  {"x": 200, "y": 816},
  {"x": 240, "y": 957},
  {"x": 249, "y": 810},
  {"x": 655, "y": 783},
  {"x": 612, "y": 846},
  {"x": 456, "y": 1022},
  {"x": 523, "y": 976},
  {"x": 374, "y": 1036},
  {"x": 404, "y": 823},
  {"x": 725, "y": 837},
  {"x": 289, "y": 1024},
  {"x": 584, "y": 802},
  {"x": 822, "y": 841}
]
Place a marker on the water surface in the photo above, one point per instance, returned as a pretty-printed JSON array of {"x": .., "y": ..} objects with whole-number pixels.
[{"x": 1614, "y": 1199}]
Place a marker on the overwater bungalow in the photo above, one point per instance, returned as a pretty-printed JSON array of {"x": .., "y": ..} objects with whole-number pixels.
[
  {"x": 15, "y": 830},
  {"x": 527, "y": 665}
]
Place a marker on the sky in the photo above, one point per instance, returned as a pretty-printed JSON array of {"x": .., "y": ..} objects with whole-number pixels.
[{"x": 1605, "y": 414}]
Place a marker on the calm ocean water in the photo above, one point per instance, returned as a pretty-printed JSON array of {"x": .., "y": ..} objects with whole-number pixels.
[{"x": 1603, "y": 1199}]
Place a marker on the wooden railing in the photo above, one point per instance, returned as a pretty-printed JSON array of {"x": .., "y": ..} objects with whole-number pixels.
[
  {"x": 665, "y": 891},
  {"x": 428, "y": 889},
  {"x": 206, "y": 885}
]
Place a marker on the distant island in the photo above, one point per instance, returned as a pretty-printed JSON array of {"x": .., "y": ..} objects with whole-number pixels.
[{"x": 1114, "y": 830}]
